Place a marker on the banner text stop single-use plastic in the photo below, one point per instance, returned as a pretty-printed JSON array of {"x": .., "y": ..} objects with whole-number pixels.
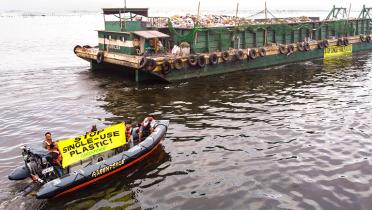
[{"x": 79, "y": 148}]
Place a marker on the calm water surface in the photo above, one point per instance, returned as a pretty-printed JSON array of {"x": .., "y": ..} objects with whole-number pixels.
[{"x": 291, "y": 137}]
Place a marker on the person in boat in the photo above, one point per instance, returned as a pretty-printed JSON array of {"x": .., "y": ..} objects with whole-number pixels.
[
  {"x": 92, "y": 129},
  {"x": 128, "y": 135},
  {"x": 150, "y": 46},
  {"x": 159, "y": 48},
  {"x": 146, "y": 127},
  {"x": 55, "y": 156},
  {"x": 48, "y": 141},
  {"x": 56, "y": 159}
]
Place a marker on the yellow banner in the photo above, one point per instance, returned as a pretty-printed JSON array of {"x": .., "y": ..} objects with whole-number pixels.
[
  {"x": 79, "y": 148},
  {"x": 333, "y": 51}
]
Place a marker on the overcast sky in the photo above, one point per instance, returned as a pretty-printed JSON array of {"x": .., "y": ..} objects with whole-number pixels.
[{"x": 61, "y": 5}]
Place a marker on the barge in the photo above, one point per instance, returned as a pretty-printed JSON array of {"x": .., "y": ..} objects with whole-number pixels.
[{"x": 177, "y": 48}]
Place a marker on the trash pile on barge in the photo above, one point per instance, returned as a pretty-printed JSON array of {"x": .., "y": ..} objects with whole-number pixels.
[{"x": 190, "y": 21}]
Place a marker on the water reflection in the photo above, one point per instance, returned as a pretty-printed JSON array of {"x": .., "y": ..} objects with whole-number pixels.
[
  {"x": 332, "y": 65},
  {"x": 196, "y": 96}
]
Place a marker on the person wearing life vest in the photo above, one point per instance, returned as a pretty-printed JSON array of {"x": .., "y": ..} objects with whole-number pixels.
[
  {"x": 146, "y": 128},
  {"x": 128, "y": 134},
  {"x": 55, "y": 156},
  {"x": 56, "y": 159}
]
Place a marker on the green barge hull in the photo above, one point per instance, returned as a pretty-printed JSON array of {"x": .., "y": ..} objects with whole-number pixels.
[
  {"x": 224, "y": 67},
  {"x": 259, "y": 62}
]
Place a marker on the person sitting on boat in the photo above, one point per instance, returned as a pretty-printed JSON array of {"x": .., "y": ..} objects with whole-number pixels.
[
  {"x": 94, "y": 128},
  {"x": 150, "y": 47},
  {"x": 54, "y": 156},
  {"x": 146, "y": 128},
  {"x": 56, "y": 159},
  {"x": 48, "y": 141},
  {"x": 159, "y": 46},
  {"x": 128, "y": 135}
]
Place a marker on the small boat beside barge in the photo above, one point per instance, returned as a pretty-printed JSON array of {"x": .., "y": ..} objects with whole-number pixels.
[
  {"x": 166, "y": 49},
  {"x": 88, "y": 170}
]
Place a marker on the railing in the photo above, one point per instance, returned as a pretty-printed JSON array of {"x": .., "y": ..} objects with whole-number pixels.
[{"x": 158, "y": 22}]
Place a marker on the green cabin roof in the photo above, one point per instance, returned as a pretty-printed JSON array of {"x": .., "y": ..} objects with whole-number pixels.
[{"x": 137, "y": 11}]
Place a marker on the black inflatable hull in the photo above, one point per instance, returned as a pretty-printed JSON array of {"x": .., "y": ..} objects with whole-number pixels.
[
  {"x": 103, "y": 169},
  {"x": 19, "y": 173}
]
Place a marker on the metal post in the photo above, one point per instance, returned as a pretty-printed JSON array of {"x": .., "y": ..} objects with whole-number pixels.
[
  {"x": 237, "y": 9},
  {"x": 104, "y": 20},
  {"x": 198, "y": 10},
  {"x": 265, "y": 34},
  {"x": 220, "y": 41},
  {"x": 348, "y": 15},
  {"x": 245, "y": 39},
  {"x": 125, "y": 6},
  {"x": 121, "y": 23},
  {"x": 347, "y": 22},
  {"x": 362, "y": 15},
  {"x": 265, "y": 11},
  {"x": 104, "y": 33},
  {"x": 207, "y": 37},
  {"x": 333, "y": 11}
]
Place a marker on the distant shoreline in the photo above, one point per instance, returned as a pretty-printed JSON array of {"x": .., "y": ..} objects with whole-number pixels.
[{"x": 158, "y": 12}]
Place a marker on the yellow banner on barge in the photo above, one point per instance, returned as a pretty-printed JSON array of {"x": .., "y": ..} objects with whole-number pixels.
[
  {"x": 79, "y": 148},
  {"x": 333, "y": 51}
]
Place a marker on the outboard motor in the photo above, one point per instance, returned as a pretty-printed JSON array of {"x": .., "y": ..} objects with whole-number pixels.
[{"x": 38, "y": 166}]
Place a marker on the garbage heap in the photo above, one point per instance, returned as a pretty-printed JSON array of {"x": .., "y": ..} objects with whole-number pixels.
[{"x": 189, "y": 21}]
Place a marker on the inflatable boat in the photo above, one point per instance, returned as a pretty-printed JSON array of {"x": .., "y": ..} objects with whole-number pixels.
[{"x": 84, "y": 172}]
